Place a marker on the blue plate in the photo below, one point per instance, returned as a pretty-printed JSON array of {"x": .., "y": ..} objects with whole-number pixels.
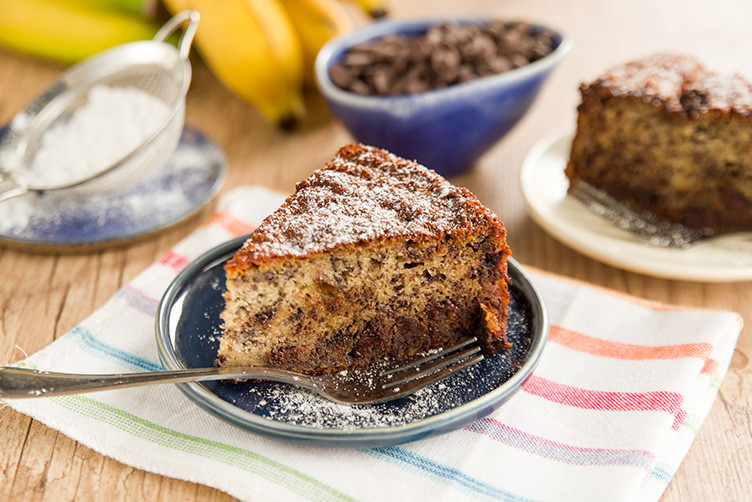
[
  {"x": 62, "y": 219},
  {"x": 188, "y": 331}
]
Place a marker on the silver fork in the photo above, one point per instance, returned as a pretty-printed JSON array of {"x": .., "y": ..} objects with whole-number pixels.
[
  {"x": 382, "y": 382},
  {"x": 644, "y": 225}
]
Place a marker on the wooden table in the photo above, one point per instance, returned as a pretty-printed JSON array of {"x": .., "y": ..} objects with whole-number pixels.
[{"x": 42, "y": 296}]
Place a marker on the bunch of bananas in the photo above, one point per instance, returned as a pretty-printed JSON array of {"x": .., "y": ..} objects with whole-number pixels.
[
  {"x": 70, "y": 30},
  {"x": 261, "y": 50}
]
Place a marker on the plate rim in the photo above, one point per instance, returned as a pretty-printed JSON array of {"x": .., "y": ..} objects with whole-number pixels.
[
  {"x": 361, "y": 437},
  {"x": 218, "y": 166},
  {"x": 616, "y": 242}
]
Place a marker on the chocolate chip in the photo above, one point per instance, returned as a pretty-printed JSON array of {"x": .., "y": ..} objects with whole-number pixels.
[
  {"x": 481, "y": 47},
  {"x": 357, "y": 59},
  {"x": 509, "y": 42},
  {"x": 447, "y": 54},
  {"x": 692, "y": 101},
  {"x": 467, "y": 73},
  {"x": 500, "y": 64},
  {"x": 360, "y": 87},
  {"x": 341, "y": 75},
  {"x": 518, "y": 60},
  {"x": 446, "y": 58},
  {"x": 381, "y": 79}
]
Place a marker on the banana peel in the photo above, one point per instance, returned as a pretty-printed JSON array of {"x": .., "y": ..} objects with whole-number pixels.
[
  {"x": 144, "y": 8},
  {"x": 67, "y": 31},
  {"x": 252, "y": 48},
  {"x": 374, "y": 8},
  {"x": 316, "y": 22}
]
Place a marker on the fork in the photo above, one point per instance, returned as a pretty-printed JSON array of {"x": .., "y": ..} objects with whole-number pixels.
[
  {"x": 644, "y": 225},
  {"x": 384, "y": 381}
]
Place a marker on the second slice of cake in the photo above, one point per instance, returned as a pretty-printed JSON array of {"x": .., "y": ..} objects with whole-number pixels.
[
  {"x": 372, "y": 256},
  {"x": 665, "y": 135}
]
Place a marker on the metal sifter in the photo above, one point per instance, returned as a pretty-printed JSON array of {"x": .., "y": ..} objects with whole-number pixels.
[{"x": 153, "y": 66}]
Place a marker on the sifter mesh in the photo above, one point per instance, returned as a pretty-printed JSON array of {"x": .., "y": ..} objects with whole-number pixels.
[{"x": 153, "y": 66}]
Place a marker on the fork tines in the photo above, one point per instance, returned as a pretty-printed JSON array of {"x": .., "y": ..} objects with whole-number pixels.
[
  {"x": 644, "y": 225},
  {"x": 432, "y": 367}
]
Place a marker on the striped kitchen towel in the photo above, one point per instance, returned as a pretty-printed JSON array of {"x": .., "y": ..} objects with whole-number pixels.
[{"x": 621, "y": 389}]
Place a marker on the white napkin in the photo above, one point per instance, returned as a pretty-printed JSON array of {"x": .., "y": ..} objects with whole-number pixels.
[{"x": 611, "y": 410}]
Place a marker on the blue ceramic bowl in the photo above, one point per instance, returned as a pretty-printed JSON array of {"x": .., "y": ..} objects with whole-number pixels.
[{"x": 447, "y": 129}]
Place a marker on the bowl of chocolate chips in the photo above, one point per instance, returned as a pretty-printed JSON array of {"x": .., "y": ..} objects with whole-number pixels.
[{"x": 438, "y": 91}]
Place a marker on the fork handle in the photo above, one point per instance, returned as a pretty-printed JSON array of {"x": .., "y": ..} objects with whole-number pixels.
[{"x": 25, "y": 382}]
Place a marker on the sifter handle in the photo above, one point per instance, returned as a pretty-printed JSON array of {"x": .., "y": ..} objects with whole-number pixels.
[{"x": 184, "y": 45}]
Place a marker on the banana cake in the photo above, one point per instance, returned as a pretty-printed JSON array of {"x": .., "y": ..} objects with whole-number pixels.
[
  {"x": 372, "y": 256},
  {"x": 666, "y": 135}
]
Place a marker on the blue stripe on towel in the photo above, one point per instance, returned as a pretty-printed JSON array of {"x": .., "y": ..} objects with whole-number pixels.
[
  {"x": 444, "y": 474},
  {"x": 662, "y": 472},
  {"x": 435, "y": 470},
  {"x": 92, "y": 344}
]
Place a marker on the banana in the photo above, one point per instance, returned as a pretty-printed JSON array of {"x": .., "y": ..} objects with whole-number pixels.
[
  {"x": 144, "y": 8},
  {"x": 66, "y": 31},
  {"x": 374, "y": 8},
  {"x": 251, "y": 48},
  {"x": 316, "y": 22}
]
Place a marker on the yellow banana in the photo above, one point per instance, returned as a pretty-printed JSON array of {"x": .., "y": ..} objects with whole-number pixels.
[
  {"x": 145, "y": 8},
  {"x": 252, "y": 48},
  {"x": 374, "y": 8},
  {"x": 65, "y": 31},
  {"x": 316, "y": 22}
]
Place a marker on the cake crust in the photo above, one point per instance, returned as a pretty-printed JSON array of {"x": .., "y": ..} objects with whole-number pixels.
[
  {"x": 363, "y": 195},
  {"x": 372, "y": 256},
  {"x": 679, "y": 84}
]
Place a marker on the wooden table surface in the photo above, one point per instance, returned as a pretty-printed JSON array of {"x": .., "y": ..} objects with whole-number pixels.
[{"x": 42, "y": 296}]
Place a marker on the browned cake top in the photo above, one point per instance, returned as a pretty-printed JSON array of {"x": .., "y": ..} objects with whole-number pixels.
[
  {"x": 363, "y": 195},
  {"x": 678, "y": 83}
]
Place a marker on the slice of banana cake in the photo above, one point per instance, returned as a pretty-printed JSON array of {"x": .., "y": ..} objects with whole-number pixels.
[{"x": 373, "y": 256}]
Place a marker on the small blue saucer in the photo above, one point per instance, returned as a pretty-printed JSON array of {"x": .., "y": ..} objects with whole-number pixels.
[
  {"x": 64, "y": 220},
  {"x": 188, "y": 330}
]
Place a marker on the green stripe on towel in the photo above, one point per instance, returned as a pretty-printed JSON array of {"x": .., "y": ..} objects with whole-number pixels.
[{"x": 280, "y": 474}]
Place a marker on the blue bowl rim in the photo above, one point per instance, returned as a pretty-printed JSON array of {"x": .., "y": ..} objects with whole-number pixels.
[{"x": 382, "y": 28}]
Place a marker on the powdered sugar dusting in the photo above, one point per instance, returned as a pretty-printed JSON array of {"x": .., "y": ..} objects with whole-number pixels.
[
  {"x": 166, "y": 196},
  {"x": 680, "y": 84},
  {"x": 280, "y": 402},
  {"x": 727, "y": 92},
  {"x": 309, "y": 410},
  {"x": 113, "y": 122},
  {"x": 365, "y": 194},
  {"x": 660, "y": 76}
]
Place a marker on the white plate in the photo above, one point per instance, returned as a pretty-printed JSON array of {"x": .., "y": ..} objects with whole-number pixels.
[{"x": 544, "y": 186}]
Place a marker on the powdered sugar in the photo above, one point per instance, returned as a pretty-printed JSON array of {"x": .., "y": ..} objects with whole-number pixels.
[
  {"x": 365, "y": 195},
  {"x": 280, "y": 402},
  {"x": 727, "y": 92},
  {"x": 16, "y": 213},
  {"x": 186, "y": 181},
  {"x": 680, "y": 84},
  {"x": 113, "y": 122}
]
